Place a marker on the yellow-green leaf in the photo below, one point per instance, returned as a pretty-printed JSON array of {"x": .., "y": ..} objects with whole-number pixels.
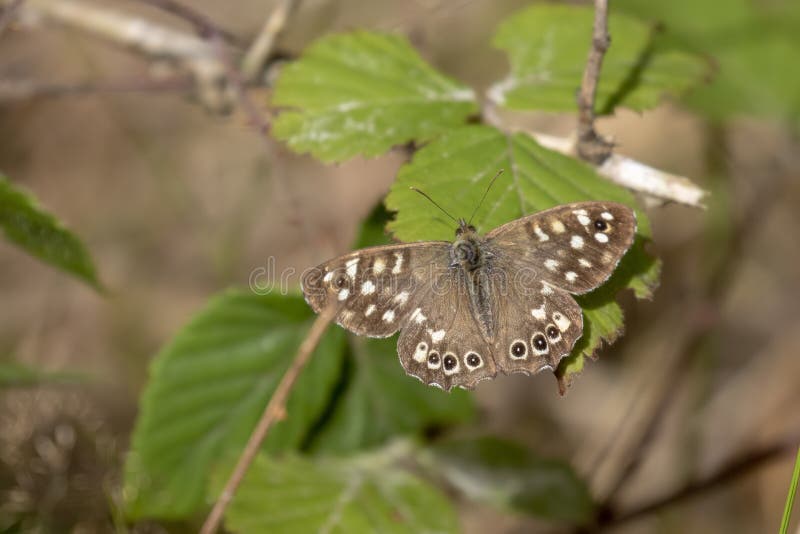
[
  {"x": 361, "y": 93},
  {"x": 547, "y": 47}
]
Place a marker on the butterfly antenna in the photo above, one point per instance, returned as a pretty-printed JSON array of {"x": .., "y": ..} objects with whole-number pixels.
[
  {"x": 496, "y": 176},
  {"x": 434, "y": 203}
]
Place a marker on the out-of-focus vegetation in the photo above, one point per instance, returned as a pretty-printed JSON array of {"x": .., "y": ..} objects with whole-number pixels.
[{"x": 124, "y": 408}]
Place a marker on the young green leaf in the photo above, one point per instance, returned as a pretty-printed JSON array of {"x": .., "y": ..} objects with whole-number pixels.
[
  {"x": 40, "y": 234},
  {"x": 547, "y": 47},
  {"x": 455, "y": 170},
  {"x": 379, "y": 401},
  {"x": 209, "y": 386},
  {"x": 362, "y": 93},
  {"x": 504, "y": 474},
  {"x": 294, "y": 494}
]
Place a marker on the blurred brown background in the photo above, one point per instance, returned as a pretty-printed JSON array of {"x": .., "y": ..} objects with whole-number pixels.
[{"x": 177, "y": 203}]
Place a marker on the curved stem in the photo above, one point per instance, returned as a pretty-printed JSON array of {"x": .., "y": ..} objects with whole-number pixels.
[{"x": 274, "y": 412}]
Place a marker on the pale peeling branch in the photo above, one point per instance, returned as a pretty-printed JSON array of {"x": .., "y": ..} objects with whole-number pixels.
[
  {"x": 262, "y": 46},
  {"x": 657, "y": 185},
  {"x": 124, "y": 29},
  {"x": 190, "y": 52}
]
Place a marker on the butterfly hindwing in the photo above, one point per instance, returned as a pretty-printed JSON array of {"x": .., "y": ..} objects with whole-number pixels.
[
  {"x": 441, "y": 343},
  {"x": 575, "y": 246},
  {"x": 375, "y": 288},
  {"x": 536, "y": 329}
]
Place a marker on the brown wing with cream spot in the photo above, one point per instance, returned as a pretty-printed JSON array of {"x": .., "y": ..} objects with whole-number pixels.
[
  {"x": 575, "y": 246},
  {"x": 537, "y": 327},
  {"x": 375, "y": 289},
  {"x": 441, "y": 343}
]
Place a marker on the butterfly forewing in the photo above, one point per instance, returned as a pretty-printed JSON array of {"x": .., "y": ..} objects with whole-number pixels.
[
  {"x": 574, "y": 246},
  {"x": 374, "y": 288}
]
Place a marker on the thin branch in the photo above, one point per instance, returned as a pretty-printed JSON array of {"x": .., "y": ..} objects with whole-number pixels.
[
  {"x": 215, "y": 36},
  {"x": 137, "y": 33},
  {"x": 203, "y": 25},
  {"x": 275, "y": 411},
  {"x": 742, "y": 465},
  {"x": 591, "y": 146},
  {"x": 238, "y": 84},
  {"x": 16, "y": 90},
  {"x": 658, "y": 185},
  {"x": 256, "y": 56},
  {"x": 145, "y": 37},
  {"x": 8, "y": 14}
]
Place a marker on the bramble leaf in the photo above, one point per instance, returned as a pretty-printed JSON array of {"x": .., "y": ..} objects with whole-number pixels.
[
  {"x": 361, "y": 93},
  {"x": 294, "y": 494},
  {"x": 208, "y": 388},
  {"x": 548, "y": 45}
]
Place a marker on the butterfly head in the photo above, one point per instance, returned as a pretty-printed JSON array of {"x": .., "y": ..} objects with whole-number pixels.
[{"x": 464, "y": 229}]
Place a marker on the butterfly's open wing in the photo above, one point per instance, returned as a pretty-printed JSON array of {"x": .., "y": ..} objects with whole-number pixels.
[
  {"x": 376, "y": 288},
  {"x": 544, "y": 257},
  {"x": 536, "y": 328},
  {"x": 441, "y": 343},
  {"x": 380, "y": 290},
  {"x": 575, "y": 246}
]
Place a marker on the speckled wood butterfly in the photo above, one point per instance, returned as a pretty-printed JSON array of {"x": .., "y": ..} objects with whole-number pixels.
[{"x": 481, "y": 304}]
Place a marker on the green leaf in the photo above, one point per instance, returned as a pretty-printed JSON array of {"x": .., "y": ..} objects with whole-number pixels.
[
  {"x": 748, "y": 42},
  {"x": 380, "y": 401},
  {"x": 17, "y": 375},
  {"x": 362, "y": 93},
  {"x": 40, "y": 234},
  {"x": 455, "y": 169},
  {"x": 208, "y": 388},
  {"x": 548, "y": 45},
  {"x": 508, "y": 476},
  {"x": 295, "y": 495}
]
